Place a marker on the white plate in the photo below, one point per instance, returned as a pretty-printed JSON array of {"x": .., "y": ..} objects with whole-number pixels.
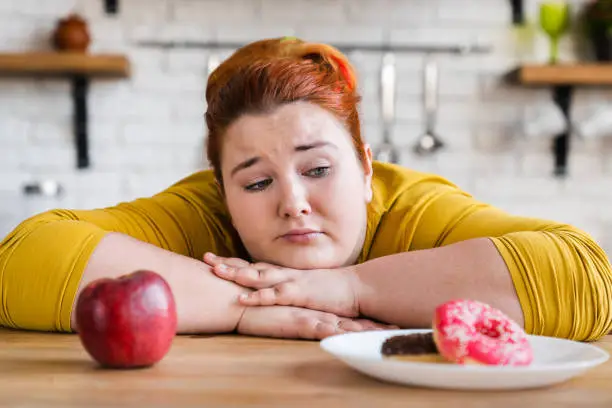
[{"x": 555, "y": 360}]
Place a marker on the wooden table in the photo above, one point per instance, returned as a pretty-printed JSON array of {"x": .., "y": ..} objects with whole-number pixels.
[{"x": 53, "y": 370}]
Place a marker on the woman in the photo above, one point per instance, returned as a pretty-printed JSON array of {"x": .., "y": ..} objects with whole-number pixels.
[{"x": 295, "y": 206}]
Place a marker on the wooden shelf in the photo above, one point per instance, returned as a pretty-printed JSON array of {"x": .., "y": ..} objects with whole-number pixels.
[
  {"x": 564, "y": 74},
  {"x": 79, "y": 68},
  {"x": 53, "y": 64},
  {"x": 562, "y": 79}
]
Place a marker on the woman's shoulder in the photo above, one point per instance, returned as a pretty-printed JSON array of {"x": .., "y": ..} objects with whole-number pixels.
[
  {"x": 199, "y": 188},
  {"x": 200, "y": 182},
  {"x": 397, "y": 191},
  {"x": 393, "y": 182}
]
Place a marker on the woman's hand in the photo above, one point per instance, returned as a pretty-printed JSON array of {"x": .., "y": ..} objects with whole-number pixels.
[
  {"x": 298, "y": 323},
  {"x": 328, "y": 290}
]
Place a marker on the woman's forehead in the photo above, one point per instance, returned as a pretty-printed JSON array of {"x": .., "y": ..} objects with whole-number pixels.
[{"x": 286, "y": 127}]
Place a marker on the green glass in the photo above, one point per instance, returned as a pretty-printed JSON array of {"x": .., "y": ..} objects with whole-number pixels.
[{"x": 554, "y": 20}]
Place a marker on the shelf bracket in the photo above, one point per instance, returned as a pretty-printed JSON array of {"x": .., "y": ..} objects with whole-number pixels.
[
  {"x": 80, "y": 87},
  {"x": 562, "y": 97},
  {"x": 518, "y": 11}
]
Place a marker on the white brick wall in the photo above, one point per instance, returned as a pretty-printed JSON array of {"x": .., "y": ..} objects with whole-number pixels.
[{"x": 147, "y": 132}]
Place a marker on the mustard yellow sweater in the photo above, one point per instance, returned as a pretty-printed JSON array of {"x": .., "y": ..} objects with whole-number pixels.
[{"x": 562, "y": 277}]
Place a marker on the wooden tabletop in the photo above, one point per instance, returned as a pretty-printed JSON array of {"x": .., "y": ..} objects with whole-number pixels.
[{"x": 53, "y": 370}]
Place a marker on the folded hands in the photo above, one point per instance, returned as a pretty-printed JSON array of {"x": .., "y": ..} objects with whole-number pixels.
[{"x": 294, "y": 303}]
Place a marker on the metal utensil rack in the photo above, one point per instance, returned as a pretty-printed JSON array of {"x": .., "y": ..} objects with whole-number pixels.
[
  {"x": 344, "y": 47},
  {"x": 517, "y": 7}
]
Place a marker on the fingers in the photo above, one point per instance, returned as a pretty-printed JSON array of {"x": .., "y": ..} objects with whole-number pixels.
[
  {"x": 284, "y": 294},
  {"x": 354, "y": 325},
  {"x": 213, "y": 260},
  {"x": 257, "y": 276},
  {"x": 300, "y": 323},
  {"x": 372, "y": 325},
  {"x": 319, "y": 325},
  {"x": 294, "y": 293},
  {"x": 242, "y": 276},
  {"x": 339, "y": 325}
]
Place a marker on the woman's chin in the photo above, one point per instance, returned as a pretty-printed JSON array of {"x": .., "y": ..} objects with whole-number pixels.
[{"x": 307, "y": 260}]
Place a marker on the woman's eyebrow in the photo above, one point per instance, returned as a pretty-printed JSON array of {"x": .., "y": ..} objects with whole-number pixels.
[
  {"x": 303, "y": 148},
  {"x": 245, "y": 164},
  {"x": 299, "y": 148}
]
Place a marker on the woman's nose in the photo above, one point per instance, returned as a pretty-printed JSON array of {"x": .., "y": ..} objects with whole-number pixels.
[{"x": 294, "y": 201}]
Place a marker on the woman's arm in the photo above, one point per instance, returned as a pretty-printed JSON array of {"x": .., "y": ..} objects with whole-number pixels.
[
  {"x": 556, "y": 281},
  {"x": 405, "y": 288},
  {"x": 204, "y": 302},
  {"x": 561, "y": 276},
  {"x": 47, "y": 259}
]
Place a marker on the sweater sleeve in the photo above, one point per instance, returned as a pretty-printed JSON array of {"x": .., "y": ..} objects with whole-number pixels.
[
  {"x": 43, "y": 258},
  {"x": 562, "y": 277}
]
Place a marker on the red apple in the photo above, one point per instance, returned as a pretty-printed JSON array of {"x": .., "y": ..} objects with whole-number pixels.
[{"x": 127, "y": 322}]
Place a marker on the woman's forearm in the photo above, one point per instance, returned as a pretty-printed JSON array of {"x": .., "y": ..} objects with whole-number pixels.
[
  {"x": 405, "y": 288},
  {"x": 204, "y": 302}
]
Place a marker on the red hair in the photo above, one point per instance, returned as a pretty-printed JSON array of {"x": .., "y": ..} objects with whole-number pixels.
[{"x": 265, "y": 74}]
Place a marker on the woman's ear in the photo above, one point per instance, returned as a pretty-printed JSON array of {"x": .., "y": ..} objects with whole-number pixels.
[{"x": 368, "y": 171}]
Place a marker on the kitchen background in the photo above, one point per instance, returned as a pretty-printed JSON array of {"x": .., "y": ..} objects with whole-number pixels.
[{"x": 147, "y": 131}]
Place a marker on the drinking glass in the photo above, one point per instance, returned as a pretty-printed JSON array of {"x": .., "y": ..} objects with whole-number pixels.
[{"x": 554, "y": 21}]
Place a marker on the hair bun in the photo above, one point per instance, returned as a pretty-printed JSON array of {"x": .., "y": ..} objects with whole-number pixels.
[{"x": 328, "y": 55}]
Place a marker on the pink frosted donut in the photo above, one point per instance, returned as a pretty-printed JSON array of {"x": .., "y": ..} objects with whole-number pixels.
[{"x": 471, "y": 332}]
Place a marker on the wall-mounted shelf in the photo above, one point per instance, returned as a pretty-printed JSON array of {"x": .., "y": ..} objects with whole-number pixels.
[
  {"x": 564, "y": 74},
  {"x": 79, "y": 68},
  {"x": 563, "y": 78},
  {"x": 50, "y": 64}
]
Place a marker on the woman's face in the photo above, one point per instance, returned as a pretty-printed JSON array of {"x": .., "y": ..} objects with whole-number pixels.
[{"x": 295, "y": 187}]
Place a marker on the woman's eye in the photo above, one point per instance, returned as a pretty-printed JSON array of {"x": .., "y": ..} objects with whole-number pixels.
[
  {"x": 260, "y": 185},
  {"x": 318, "y": 172}
]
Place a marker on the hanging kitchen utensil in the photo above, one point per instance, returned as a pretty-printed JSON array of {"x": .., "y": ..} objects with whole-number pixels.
[
  {"x": 386, "y": 150},
  {"x": 429, "y": 142}
]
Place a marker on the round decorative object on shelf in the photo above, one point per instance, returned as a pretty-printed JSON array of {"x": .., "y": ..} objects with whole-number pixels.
[{"x": 71, "y": 34}]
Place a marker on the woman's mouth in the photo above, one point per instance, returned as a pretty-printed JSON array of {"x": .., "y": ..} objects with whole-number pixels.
[{"x": 301, "y": 236}]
